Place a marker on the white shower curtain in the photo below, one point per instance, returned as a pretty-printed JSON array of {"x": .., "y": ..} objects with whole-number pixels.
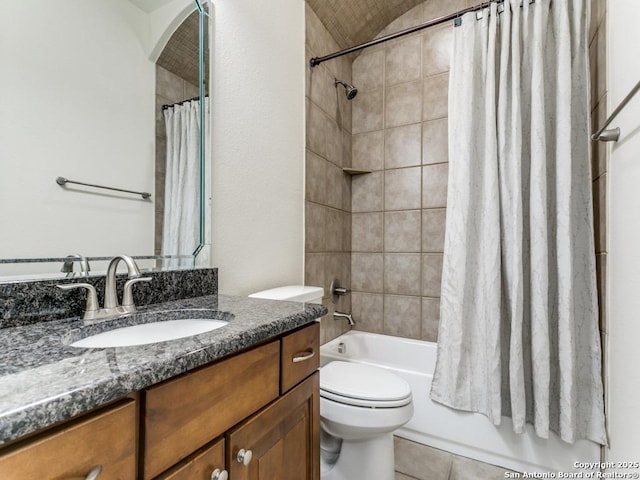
[
  {"x": 181, "y": 222},
  {"x": 519, "y": 323}
]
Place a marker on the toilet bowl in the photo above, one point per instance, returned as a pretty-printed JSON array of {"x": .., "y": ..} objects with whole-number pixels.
[{"x": 360, "y": 407}]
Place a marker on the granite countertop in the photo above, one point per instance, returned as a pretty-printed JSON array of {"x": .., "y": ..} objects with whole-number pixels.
[{"x": 43, "y": 380}]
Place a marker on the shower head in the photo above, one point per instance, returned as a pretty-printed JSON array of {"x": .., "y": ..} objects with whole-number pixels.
[{"x": 351, "y": 91}]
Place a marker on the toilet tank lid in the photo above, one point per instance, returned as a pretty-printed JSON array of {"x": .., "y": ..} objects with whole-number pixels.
[{"x": 293, "y": 293}]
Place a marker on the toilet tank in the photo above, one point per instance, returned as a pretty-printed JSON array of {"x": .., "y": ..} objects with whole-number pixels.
[{"x": 292, "y": 293}]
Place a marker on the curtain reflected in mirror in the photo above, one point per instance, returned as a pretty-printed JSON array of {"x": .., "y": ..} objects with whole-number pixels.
[
  {"x": 180, "y": 168},
  {"x": 180, "y": 224}
]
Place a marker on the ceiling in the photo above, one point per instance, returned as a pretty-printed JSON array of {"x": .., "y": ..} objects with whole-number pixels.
[
  {"x": 353, "y": 22},
  {"x": 150, "y": 5},
  {"x": 180, "y": 55},
  {"x": 349, "y": 22}
]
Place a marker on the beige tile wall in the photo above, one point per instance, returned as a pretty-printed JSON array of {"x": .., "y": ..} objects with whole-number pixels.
[
  {"x": 599, "y": 153},
  {"x": 328, "y": 189},
  {"x": 170, "y": 89},
  {"x": 600, "y": 162},
  {"x": 400, "y": 133}
]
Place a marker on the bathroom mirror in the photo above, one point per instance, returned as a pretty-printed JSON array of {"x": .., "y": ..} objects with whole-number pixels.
[{"x": 82, "y": 90}]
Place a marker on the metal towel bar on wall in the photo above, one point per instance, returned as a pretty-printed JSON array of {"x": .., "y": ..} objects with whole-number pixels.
[
  {"x": 613, "y": 134},
  {"x": 63, "y": 181}
]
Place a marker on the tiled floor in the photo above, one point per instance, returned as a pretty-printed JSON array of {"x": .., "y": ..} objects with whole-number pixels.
[{"x": 415, "y": 461}]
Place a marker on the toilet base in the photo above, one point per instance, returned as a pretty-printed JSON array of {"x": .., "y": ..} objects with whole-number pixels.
[{"x": 366, "y": 459}]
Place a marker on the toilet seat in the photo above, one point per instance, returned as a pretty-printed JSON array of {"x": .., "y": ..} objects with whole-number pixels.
[{"x": 363, "y": 386}]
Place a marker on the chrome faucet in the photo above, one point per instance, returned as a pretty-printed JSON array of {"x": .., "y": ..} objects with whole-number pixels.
[
  {"x": 133, "y": 273},
  {"x": 111, "y": 306},
  {"x": 348, "y": 316},
  {"x": 67, "y": 265}
]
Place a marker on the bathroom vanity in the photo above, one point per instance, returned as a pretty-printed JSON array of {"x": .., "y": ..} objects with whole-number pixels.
[{"x": 240, "y": 401}]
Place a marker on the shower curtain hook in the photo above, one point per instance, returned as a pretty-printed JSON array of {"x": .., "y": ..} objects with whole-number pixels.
[{"x": 457, "y": 21}]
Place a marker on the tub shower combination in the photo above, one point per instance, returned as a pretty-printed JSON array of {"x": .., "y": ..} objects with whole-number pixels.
[
  {"x": 518, "y": 334},
  {"x": 468, "y": 434}
]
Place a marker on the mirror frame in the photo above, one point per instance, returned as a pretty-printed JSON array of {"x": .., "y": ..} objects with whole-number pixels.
[{"x": 202, "y": 14}]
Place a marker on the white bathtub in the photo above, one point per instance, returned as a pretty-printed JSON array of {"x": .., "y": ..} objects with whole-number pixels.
[{"x": 462, "y": 433}]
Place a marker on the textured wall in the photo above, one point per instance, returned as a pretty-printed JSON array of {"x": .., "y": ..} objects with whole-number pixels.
[
  {"x": 354, "y": 22},
  {"x": 257, "y": 140},
  {"x": 621, "y": 69},
  {"x": 327, "y": 188}
]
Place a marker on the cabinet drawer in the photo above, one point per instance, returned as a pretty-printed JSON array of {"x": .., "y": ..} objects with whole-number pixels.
[
  {"x": 106, "y": 438},
  {"x": 185, "y": 413},
  {"x": 300, "y": 356},
  {"x": 201, "y": 466}
]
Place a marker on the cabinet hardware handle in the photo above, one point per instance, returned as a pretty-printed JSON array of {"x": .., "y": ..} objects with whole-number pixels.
[
  {"x": 244, "y": 456},
  {"x": 219, "y": 475},
  {"x": 302, "y": 356},
  {"x": 94, "y": 473}
]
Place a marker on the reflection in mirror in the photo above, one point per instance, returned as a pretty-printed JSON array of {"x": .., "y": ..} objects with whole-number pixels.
[
  {"x": 78, "y": 93},
  {"x": 181, "y": 107}
]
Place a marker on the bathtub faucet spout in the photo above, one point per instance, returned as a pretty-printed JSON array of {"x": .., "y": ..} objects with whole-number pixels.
[{"x": 344, "y": 315}]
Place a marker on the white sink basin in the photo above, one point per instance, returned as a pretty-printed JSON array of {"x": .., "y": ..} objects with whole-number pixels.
[{"x": 150, "y": 333}]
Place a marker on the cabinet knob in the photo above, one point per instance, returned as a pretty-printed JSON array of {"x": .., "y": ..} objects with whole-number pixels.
[
  {"x": 244, "y": 456},
  {"x": 94, "y": 473},
  {"x": 219, "y": 475}
]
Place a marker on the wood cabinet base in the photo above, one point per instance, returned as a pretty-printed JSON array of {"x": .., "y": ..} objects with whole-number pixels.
[
  {"x": 283, "y": 438},
  {"x": 106, "y": 438}
]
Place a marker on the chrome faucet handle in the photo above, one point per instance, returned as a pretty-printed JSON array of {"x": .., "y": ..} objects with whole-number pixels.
[
  {"x": 335, "y": 290},
  {"x": 127, "y": 296},
  {"x": 67, "y": 265},
  {"x": 92, "y": 297}
]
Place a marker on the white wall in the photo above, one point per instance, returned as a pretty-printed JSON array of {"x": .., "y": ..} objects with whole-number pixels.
[
  {"x": 258, "y": 143},
  {"x": 624, "y": 252},
  {"x": 77, "y": 97},
  {"x": 164, "y": 18}
]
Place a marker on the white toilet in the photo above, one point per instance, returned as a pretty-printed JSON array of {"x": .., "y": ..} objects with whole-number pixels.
[
  {"x": 360, "y": 407},
  {"x": 292, "y": 293}
]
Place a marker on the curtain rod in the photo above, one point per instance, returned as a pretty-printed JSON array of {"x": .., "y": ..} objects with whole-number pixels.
[
  {"x": 164, "y": 107},
  {"x": 315, "y": 61},
  {"x": 612, "y": 135}
]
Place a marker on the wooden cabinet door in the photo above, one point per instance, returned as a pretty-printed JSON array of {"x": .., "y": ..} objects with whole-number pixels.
[
  {"x": 199, "y": 466},
  {"x": 106, "y": 438},
  {"x": 284, "y": 438}
]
